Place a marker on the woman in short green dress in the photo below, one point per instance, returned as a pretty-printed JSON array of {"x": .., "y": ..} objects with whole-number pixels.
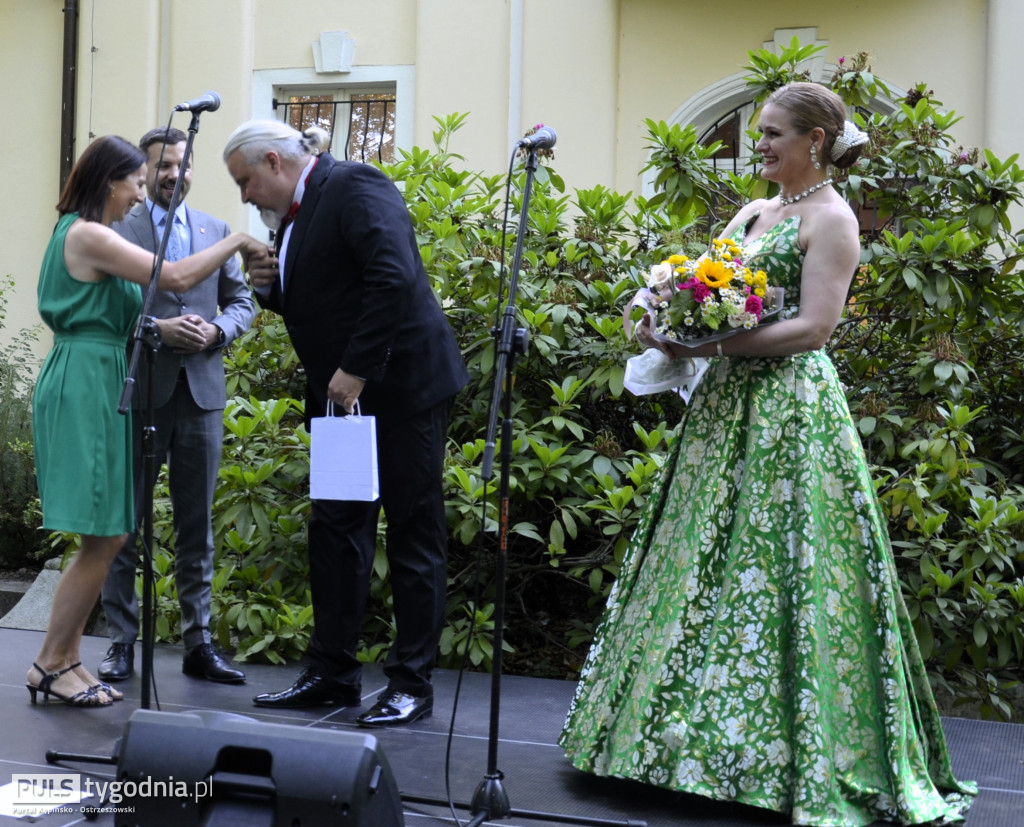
[
  {"x": 756, "y": 647},
  {"x": 90, "y": 297}
]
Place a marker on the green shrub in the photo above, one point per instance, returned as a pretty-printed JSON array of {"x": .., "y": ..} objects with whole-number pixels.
[{"x": 20, "y": 541}]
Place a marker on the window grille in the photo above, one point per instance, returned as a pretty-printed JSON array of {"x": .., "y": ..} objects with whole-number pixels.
[
  {"x": 362, "y": 127},
  {"x": 737, "y": 148}
]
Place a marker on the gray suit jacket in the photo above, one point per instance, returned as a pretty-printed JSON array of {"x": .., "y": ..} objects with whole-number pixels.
[{"x": 226, "y": 289}]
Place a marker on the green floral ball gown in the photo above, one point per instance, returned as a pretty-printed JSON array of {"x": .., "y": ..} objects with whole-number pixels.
[{"x": 755, "y": 647}]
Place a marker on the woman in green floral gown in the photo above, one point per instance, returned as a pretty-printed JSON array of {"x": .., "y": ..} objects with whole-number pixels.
[{"x": 755, "y": 647}]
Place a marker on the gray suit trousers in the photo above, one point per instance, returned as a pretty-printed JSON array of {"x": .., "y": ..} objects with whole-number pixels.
[{"x": 189, "y": 440}]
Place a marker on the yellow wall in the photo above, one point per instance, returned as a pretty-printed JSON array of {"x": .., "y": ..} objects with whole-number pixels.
[
  {"x": 670, "y": 50},
  {"x": 31, "y": 35},
  {"x": 385, "y": 29},
  {"x": 457, "y": 44},
  {"x": 592, "y": 69}
]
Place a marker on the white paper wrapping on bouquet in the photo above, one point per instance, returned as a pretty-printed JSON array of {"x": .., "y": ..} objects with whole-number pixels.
[
  {"x": 644, "y": 299},
  {"x": 653, "y": 372}
]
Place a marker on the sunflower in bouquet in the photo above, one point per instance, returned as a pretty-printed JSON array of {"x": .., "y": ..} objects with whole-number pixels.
[{"x": 697, "y": 299}]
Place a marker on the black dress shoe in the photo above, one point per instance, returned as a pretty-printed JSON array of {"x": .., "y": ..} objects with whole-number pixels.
[
  {"x": 118, "y": 664},
  {"x": 312, "y": 688},
  {"x": 394, "y": 708},
  {"x": 204, "y": 661}
]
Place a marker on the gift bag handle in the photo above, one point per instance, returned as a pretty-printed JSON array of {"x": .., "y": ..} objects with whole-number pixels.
[{"x": 358, "y": 414}]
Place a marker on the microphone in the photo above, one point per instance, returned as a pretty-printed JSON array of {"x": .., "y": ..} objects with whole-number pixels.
[
  {"x": 207, "y": 103},
  {"x": 543, "y": 138}
]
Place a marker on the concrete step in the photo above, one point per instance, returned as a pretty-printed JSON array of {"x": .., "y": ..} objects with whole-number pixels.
[
  {"x": 11, "y": 591},
  {"x": 26, "y": 605}
]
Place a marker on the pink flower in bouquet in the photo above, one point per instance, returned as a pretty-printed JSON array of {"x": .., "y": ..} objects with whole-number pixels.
[
  {"x": 701, "y": 292},
  {"x": 754, "y": 305}
]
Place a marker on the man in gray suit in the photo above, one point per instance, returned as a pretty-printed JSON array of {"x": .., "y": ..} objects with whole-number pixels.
[{"x": 188, "y": 400}]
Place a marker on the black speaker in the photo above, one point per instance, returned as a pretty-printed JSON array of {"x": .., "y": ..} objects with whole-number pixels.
[{"x": 216, "y": 769}]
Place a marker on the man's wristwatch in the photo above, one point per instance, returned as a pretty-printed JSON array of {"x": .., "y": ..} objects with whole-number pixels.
[{"x": 220, "y": 336}]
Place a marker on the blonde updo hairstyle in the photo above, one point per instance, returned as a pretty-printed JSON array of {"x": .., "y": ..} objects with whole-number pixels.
[{"x": 811, "y": 105}]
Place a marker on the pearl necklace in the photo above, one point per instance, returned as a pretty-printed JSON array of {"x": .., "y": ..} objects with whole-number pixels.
[{"x": 786, "y": 201}]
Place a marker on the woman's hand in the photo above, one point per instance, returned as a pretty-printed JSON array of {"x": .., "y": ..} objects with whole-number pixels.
[
  {"x": 249, "y": 247},
  {"x": 263, "y": 267},
  {"x": 645, "y": 337}
]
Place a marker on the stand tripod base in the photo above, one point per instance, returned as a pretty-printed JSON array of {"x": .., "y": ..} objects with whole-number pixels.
[
  {"x": 490, "y": 800},
  {"x": 490, "y": 787},
  {"x": 53, "y": 757}
]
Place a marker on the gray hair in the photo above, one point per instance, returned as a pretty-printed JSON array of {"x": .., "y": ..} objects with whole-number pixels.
[{"x": 257, "y": 137}]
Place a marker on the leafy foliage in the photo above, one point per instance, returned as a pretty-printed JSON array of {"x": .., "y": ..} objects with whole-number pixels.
[{"x": 19, "y": 516}]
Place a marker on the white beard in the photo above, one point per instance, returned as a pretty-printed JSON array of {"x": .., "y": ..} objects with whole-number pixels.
[{"x": 270, "y": 218}]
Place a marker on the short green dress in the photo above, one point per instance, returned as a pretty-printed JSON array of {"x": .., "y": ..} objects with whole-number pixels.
[
  {"x": 83, "y": 446},
  {"x": 755, "y": 646}
]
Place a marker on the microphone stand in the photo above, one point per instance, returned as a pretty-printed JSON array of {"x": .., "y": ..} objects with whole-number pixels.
[
  {"x": 490, "y": 800},
  {"x": 149, "y": 466},
  {"x": 146, "y": 336}
]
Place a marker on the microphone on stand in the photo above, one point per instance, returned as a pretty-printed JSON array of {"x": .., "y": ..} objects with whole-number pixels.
[
  {"x": 543, "y": 138},
  {"x": 206, "y": 103}
]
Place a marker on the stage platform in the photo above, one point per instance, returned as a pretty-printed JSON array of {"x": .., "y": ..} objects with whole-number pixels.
[{"x": 543, "y": 789}]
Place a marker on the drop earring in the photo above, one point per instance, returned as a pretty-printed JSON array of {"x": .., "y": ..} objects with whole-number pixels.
[{"x": 814, "y": 157}]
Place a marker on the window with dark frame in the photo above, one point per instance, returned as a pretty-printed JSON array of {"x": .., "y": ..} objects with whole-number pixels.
[{"x": 362, "y": 125}]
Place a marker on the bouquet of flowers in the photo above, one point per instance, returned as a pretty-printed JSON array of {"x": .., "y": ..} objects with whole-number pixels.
[{"x": 693, "y": 301}]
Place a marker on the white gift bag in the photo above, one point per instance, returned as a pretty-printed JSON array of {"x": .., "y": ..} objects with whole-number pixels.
[{"x": 343, "y": 457}]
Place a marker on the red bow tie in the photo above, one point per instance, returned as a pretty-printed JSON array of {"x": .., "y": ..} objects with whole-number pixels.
[{"x": 288, "y": 218}]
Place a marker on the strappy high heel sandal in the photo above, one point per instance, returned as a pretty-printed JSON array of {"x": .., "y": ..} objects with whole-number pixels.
[
  {"x": 100, "y": 686},
  {"x": 115, "y": 694},
  {"x": 87, "y": 697}
]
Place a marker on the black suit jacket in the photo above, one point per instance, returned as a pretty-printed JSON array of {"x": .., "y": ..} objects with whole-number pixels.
[{"x": 356, "y": 296}]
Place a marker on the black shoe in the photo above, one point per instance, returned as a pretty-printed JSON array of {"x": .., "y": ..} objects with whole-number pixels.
[
  {"x": 118, "y": 664},
  {"x": 205, "y": 661},
  {"x": 312, "y": 688},
  {"x": 394, "y": 708}
]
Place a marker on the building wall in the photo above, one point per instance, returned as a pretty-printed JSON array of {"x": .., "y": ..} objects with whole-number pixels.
[
  {"x": 671, "y": 50},
  {"x": 31, "y": 35},
  {"x": 592, "y": 69}
]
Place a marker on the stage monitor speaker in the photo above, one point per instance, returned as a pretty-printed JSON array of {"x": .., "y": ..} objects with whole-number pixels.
[{"x": 215, "y": 769}]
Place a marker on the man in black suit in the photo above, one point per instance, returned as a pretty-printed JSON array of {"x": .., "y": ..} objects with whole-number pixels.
[{"x": 349, "y": 282}]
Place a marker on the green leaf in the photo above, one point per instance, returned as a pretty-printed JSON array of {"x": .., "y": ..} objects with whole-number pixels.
[{"x": 980, "y": 633}]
